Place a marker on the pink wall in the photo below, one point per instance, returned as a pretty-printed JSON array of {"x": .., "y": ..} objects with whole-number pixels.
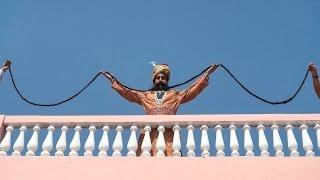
[{"x": 18, "y": 168}]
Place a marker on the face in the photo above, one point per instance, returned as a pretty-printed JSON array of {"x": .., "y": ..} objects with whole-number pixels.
[{"x": 160, "y": 81}]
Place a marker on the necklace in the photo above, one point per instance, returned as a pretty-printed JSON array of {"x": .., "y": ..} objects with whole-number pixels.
[{"x": 159, "y": 98}]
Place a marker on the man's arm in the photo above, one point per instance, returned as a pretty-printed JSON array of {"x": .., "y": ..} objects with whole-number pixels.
[
  {"x": 1, "y": 73},
  {"x": 196, "y": 88},
  {"x": 130, "y": 95},
  {"x": 4, "y": 68},
  {"x": 316, "y": 84}
]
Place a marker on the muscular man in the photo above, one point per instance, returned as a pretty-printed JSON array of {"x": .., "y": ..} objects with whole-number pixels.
[
  {"x": 161, "y": 100},
  {"x": 316, "y": 84}
]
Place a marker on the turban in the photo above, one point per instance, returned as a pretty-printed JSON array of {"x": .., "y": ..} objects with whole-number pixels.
[{"x": 161, "y": 68}]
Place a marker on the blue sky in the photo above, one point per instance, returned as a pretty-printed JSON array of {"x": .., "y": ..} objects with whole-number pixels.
[{"x": 57, "y": 46}]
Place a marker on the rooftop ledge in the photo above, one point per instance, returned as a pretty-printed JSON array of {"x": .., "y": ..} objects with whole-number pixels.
[
  {"x": 259, "y": 146},
  {"x": 283, "y": 126},
  {"x": 165, "y": 120}
]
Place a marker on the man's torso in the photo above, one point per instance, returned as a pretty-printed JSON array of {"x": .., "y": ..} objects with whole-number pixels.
[{"x": 161, "y": 102}]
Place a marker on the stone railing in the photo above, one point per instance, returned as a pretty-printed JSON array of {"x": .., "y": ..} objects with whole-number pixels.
[{"x": 241, "y": 135}]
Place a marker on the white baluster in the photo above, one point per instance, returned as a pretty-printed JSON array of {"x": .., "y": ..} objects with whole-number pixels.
[
  {"x": 19, "y": 144},
  {"x": 219, "y": 141},
  {"x": 277, "y": 143},
  {"x": 62, "y": 142},
  {"x": 75, "y": 142},
  {"x": 48, "y": 142},
  {"x": 146, "y": 143},
  {"x": 176, "y": 145},
  {"x": 161, "y": 144},
  {"x": 132, "y": 143},
  {"x": 33, "y": 142},
  {"x": 190, "y": 142},
  {"x": 317, "y": 128},
  {"x": 90, "y": 143},
  {"x": 205, "y": 145},
  {"x": 104, "y": 142},
  {"x": 292, "y": 142},
  {"x": 117, "y": 144},
  {"x": 234, "y": 144},
  {"x": 6, "y": 142},
  {"x": 248, "y": 144},
  {"x": 307, "y": 143},
  {"x": 263, "y": 143}
]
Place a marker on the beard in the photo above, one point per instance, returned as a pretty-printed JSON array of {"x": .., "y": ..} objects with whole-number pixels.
[{"x": 160, "y": 86}]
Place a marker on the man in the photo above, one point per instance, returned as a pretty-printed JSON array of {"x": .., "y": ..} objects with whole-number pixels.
[
  {"x": 316, "y": 84},
  {"x": 4, "y": 68},
  {"x": 161, "y": 100}
]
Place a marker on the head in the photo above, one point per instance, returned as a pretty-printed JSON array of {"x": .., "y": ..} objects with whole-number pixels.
[
  {"x": 161, "y": 76},
  {"x": 160, "y": 82}
]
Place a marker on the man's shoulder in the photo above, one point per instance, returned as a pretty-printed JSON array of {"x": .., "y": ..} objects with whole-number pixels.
[{"x": 173, "y": 91}]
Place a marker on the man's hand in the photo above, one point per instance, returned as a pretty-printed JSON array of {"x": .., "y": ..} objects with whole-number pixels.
[
  {"x": 107, "y": 75},
  {"x": 6, "y": 65},
  {"x": 212, "y": 69},
  {"x": 313, "y": 70}
]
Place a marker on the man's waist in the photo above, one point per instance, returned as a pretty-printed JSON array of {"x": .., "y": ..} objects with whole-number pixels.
[{"x": 161, "y": 111}]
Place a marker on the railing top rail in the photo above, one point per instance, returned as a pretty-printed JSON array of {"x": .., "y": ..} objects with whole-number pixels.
[{"x": 166, "y": 120}]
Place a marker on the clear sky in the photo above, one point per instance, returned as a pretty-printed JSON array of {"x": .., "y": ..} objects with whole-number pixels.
[{"x": 57, "y": 46}]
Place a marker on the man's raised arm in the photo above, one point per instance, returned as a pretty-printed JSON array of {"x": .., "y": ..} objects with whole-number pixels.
[
  {"x": 4, "y": 68},
  {"x": 316, "y": 84},
  {"x": 195, "y": 89},
  {"x": 130, "y": 95}
]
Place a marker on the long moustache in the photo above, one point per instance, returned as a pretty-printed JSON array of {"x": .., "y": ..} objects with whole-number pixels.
[{"x": 164, "y": 87}]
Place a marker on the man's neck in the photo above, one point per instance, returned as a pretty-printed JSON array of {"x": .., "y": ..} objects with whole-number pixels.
[
  {"x": 160, "y": 94},
  {"x": 160, "y": 88}
]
